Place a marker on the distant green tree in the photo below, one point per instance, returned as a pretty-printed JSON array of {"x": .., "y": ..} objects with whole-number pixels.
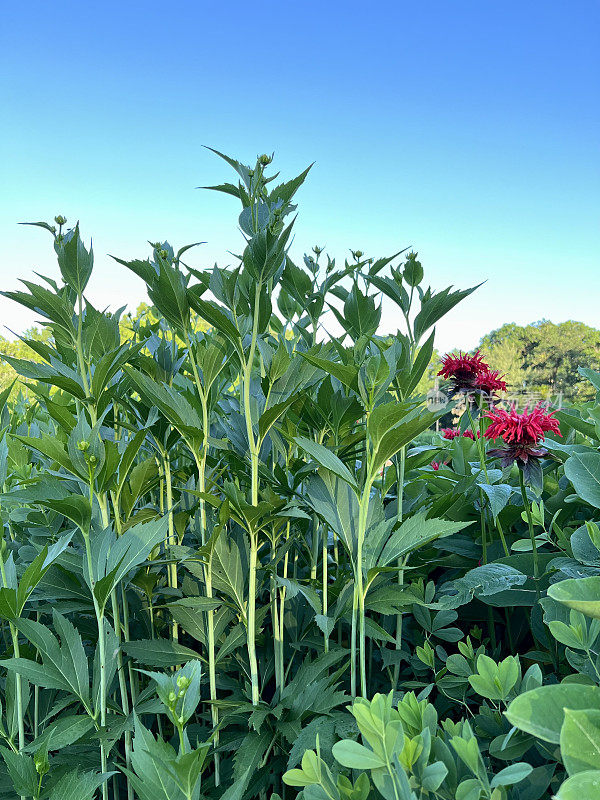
[
  {"x": 545, "y": 356},
  {"x": 18, "y": 349}
]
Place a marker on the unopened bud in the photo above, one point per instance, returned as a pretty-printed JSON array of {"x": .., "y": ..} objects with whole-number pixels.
[
  {"x": 265, "y": 159},
  {"x": 42, "y": 765},
  {"x": 60, "y": 220},
  {"x": 83, "y": 445}
]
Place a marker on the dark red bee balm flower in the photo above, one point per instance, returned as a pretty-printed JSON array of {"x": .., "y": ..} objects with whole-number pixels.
[{"x": 462, "y": 370}]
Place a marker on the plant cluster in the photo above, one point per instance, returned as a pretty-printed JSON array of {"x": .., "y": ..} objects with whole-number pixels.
[{"x": 239, "y": 560}]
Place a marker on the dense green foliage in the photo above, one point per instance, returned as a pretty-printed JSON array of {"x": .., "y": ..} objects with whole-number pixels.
[{"x": 230, "y": 569}]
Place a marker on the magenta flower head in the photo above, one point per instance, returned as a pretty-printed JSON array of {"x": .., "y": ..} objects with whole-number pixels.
[{"x": 522, "y": 435}]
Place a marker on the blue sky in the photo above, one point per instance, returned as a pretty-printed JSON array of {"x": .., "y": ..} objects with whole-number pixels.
[{"x": 468, "y": 130}]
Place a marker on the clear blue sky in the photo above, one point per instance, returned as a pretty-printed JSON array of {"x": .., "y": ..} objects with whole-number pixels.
[{"x": 469, "y": 130}]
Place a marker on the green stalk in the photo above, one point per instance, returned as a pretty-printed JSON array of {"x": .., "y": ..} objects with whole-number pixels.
[
  {"x": 120, "y": 671},
  {"x": 281, "y": 615},
  {"x": 276, "y": 634},
  {"x": 86, "y": 538},
  {"x": 359, "y": 586},
  {"x": 314, "y": 548},
  {"x": 324, "y": 556},
  {"x": 170, "y": 540},
  {"x": 210, "y": 614},
  {"x": 482, "y": 459},
  {"x": 353, "y": 637},
  {"x": 359, "y": 591},
  {"x": 536, "y": 566},
  {"x": 116, "y": 504},
  {"x": 18, "y": 681},
  {"x": 253, "y": 566},
  {"x": 400, "y": 467},
  {"x": 101, "y": 655}
]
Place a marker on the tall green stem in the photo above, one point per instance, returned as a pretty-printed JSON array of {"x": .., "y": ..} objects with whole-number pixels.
[
  {"x": 400, "y": 468},
  {"x": 253, "y": 445},
  {"x": 536, "y": 566},
  {"x": 210, "y": 614},
  {"x": 18, "y": 681}
]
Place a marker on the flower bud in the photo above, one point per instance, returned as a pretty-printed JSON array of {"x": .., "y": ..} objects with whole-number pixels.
[
  {"x": 42, "y": 765},
  {"x": 172, "y": 698},
  {"x": 265, "y": 160},
  {"x": 83, "y": 445},
  {"x": 183, "y": 682},
  {"x": 413, "y": 271},
  {"x": 60, "y": 220}
]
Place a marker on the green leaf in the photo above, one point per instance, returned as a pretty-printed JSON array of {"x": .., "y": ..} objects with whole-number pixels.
[
  {"x": 336, "y": 502},
  {"x": 64, "y": 378},
  {"x": 76, "y": 508},
  {"x": 583, "y": 785},
  {"x": 413, "y": 533},
  {"x": 171, "y": 403},
  {"x": 356, "y": 756},
  {"x": 64, "y": 667},
  {"x": 215, "y": 316},
  {"x": 403, "y": 433},
  {"x": 271, "y": 415},
  {"x": 541, "y": 711},
  {"x": 75, "y": 262},
  {"x": 247, "y": 760},
  {"x": 582, "y": 594},
  {"x": 158, "y": 652},
  {"x": 437, "y": 306},
  {"x": 77, "y": 785},
  {"x": 123, "y": 553},
  {"x": 326, "y": 458},
  {"x": 38, "y": 568},
  {"x": 512, "y": 774},
  {"x": 345, "y": 373},
  {"x": 62, "y": 732},
  {"x": 580, "y": 740},
  {"x": 498, "y": 494},
  {"x": 583, "y": 470},
  {"x": 151, "y": 780},
  {"x": 21, "y": 769}
]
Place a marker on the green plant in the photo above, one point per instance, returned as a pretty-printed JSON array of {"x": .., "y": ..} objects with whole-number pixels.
[{"x": 222, "y": 525}]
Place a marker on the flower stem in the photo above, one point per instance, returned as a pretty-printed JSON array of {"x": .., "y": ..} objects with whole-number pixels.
[{"x": 536, "y": 566}]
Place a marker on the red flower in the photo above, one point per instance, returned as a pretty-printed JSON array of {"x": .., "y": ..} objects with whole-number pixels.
[
  {"x": 452, "y": 433},
  {"x": 462, "y": 369},
  {"x": 435, "y": 466},
  {"x": 528, "y": 427},
  {"x": 522, "y": 433},
  {"x": 489, "y": 381}
]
